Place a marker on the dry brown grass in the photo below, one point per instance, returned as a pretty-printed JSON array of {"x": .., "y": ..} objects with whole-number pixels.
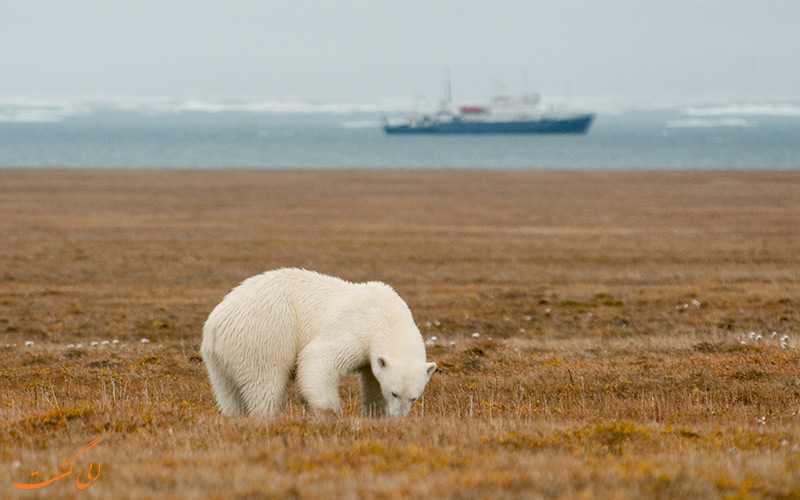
[{"x": 614, "y": 309}]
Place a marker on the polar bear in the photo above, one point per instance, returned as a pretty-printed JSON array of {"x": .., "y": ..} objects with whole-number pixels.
[{"x": 293, "y": 324}]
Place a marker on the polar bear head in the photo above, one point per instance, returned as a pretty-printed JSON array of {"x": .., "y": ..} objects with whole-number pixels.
[{"x": 402, "y": 382}]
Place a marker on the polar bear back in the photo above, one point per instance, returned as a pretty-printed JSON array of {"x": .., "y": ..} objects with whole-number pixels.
[
  {"x": 291, "y": 307},
  {"x": 264, "y": 309}
]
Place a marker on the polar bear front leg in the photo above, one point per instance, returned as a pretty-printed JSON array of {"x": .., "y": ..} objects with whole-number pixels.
[
  {"x": 371, "y": 394},
  {"x": 318, "y": 378}
]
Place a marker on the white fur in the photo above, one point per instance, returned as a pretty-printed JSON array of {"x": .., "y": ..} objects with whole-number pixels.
[{"x": 292, "y": 323}]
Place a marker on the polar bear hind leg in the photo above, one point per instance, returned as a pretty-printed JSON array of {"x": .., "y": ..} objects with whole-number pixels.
[
  {"x": 267, "y": 392},
  {"x": 229, "y": 397}
]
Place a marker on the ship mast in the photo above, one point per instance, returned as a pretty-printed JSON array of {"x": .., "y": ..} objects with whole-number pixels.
[
  {"x": 444, "y": 105},
  {"x": 448, "y": 96}
]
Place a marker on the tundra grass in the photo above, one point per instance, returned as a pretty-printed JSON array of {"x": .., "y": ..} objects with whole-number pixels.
[{"x": 598, "y": 335}]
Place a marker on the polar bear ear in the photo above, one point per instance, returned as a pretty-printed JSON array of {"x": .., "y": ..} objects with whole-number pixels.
[{"x": 431, "y": 367}]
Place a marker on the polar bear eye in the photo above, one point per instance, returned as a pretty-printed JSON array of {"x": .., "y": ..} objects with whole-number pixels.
[{"x": 394, "y": 394}]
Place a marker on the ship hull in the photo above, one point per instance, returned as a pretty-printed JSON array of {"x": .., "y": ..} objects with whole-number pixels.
[{"x": 573, "y": 125}]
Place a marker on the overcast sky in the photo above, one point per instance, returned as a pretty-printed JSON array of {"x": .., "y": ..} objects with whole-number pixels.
[{"x": 349, "y": 50}]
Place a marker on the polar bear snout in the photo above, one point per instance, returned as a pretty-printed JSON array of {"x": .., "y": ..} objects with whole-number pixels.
[{"x": 398, "y": 407}]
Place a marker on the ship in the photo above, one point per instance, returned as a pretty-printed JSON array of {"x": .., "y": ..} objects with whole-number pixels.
[{"x": 505, "y": 115}]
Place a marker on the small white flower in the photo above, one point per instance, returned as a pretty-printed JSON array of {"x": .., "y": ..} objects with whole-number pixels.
[
  {"x": 476, "y": 335},
  {"x": 696, "y": 303},
  {"x": 70, "y": 346},
  {"x": 115, "y": 341},
  {"x": 773, "y": 335},
  {"x": 145, "y": 341},
  {"x": 105, "y": 342},
  {"x": 29, "y": 343},
  {"x": 93, "y": 343},
  {"x": 752, "y": 335},
  {"x": 78, "y": 346},
  {"x": 761, "y": 420},
  {"x": 452, "y": 343}
]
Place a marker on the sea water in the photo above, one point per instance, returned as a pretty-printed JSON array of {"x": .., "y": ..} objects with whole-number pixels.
[{"x": 178, "y": 135}]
